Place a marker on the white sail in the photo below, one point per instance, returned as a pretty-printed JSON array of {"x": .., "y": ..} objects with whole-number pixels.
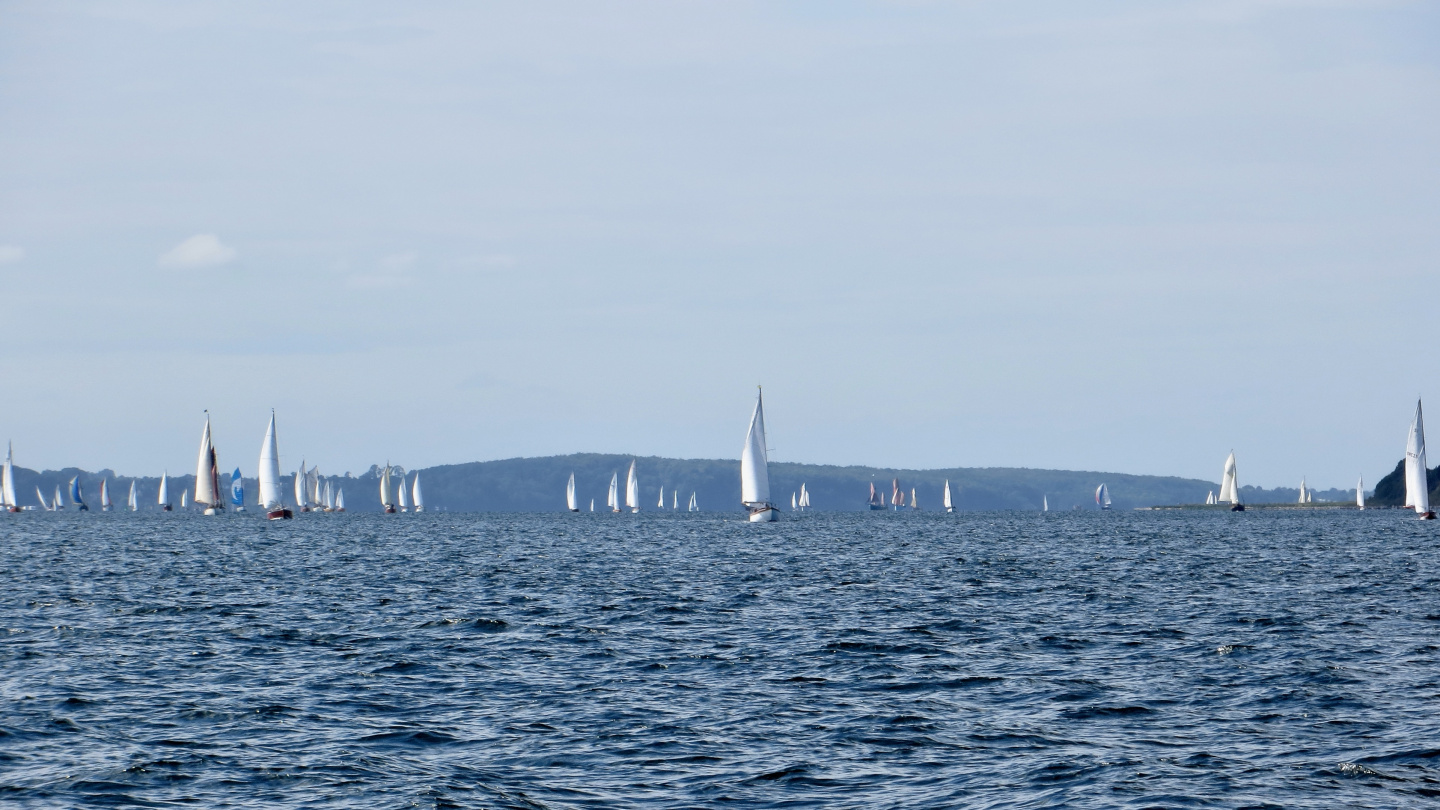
[
  {"x": 385, "y": 487},
  {"x": 1210, "y": 498},
  {"x": 1303, "y": 491},
  {"x": 570, "y": 502},
  {"x": 632, "y": 489},
  {"x": 592, "y": 504},
  {"x": 301, "y": 500},
  {"x": 105, "y": 503},
  {"x": 1044, "y": 503},
  {"x": 339, "y": 500},
  {"x": 417, "y": 498},
  {"x": 693, "y": 507},
  {"x": 804, "y": 497},
  {"x": 612, "y": 500},
  {"x": 164, "y": 497},
  {"x": 329, "y": 497},
  {"x": 44, "y": 504},
  {"x": 949, "y": 502},
  {"x": 661, "y": 504},
  {"x": 404, "y": 497},
  {"x": 184, "y": 497},
  {"x": 7, "y": 479},
  {"x": 1229, "y": 486},
  {"x": 132, "y": 502},
  {"x": 1102, "y": 496},
  {"x": 914, "y": 501},
  {"x": 674, "y": 500},
  {"x": 1417, "y": 487},
  {"x": 794, "y": 502},
  {"x": 1360, "y": 492},
  {"x": 755, "y": 461},
  {"x": 207, "y": 492},
  {"x": 312, "y": 484},
  {"x": 269, "y": 475}
]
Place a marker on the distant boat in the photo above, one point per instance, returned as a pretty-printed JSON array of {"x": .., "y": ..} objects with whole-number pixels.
[
  {"x": 877, "y": 501},
  {"x": 1210, "y": 499},
  {"x": 914, "y": 501},
  {"x": 76, "y": 496},
  {"x": 897, "y": 497},
  {"x": 632, "y": 489},
  {"x": 674, "y": 500},
  {"x": 385, "y": 499},
  {"x": 1360, "y": 492},
  {"x": 302, "y": 495},
  {"x": 755, "y": 469},
  {"x": 949, "y": 502},
  {"x": 44, "y": 504},
  {"x": 237, "y": 491},
  {"x": 693, "y": 507},
  {"x": 339, "y": 500},
  {"x": 1044, "y": 504},
  {"x": 661, "y": 504},
  {"x": 207, "y": 474},
  {"x": 1417, "y": 484},
  {"x": 417, "y": 498},
  {"x": 329, "y": 496},
  {"x": 59, "y": 501},
  {"x": 1304, "y": 492},
  {"x": 105, "y": 503},
  {"x": 271, "y": 500},
  {"x": 184, "y": 498},
  {"x": 1229, "y": 486},
  {"x": 612, "y": 500},
  {"x": 592, "y": 504},
  {"x": 794, "y": 502},
  {"x": 132, "y": 502},
  {"x": 1102, "y": 497},
  {"x": 164, "y": 498},
  {"x": 404, "y": 496},
  {"x": 7, "y": 481},
  {"x": 804, "y": 497},
  {"x": 312, "y": 488}
]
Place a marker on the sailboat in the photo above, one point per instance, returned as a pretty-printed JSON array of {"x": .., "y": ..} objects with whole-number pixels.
[
  {"x": 897, "y": 498},
  {"x": 44, "y": 504},
  {"x": 7, "y": 481},
  {"x": 329, "y": 496},
  {"x": 1360, "y": 493},
  {"x": 1044, "y": 503},
  {"x": 237, "y": 491},
  {"x": 794, "y": 502},
  {"x": 59, "y": 502},
  {"x": 404, "y": 496},
  {"x": 301, "y": 499},
  {"x": 693, "y": 506},
  {"x": 674, "y": 500},
  {"x": 1417, "y": 483},
  {"x": 877, "y": 501},
  {"x": 312, "y": 487},
  {"x": 755, "y": 469},
  {"x": 632, "y": 489},
  {"x": 271, "y": 501},
  {"x": 612, "y": 500},
  {"x": 76, "y": 496},
  {"x": 339, "y": 500},
  {"x": 105, "y": 503},
  {"x": 1102, "y": 497},
  {"x": 570, "y": 496},
  {"x": 804, "y": 497},
  {"x": 164, "y": 498},
  {"x": 1304, "y": 493},
  {"x": 1210, "y": 499},
  {"x": 184, "y": 498},
  {"x": 207, "y": 474},
  {"x": 417, "y": 498},
  {"x": 1229, "y": 487},
  {"x": 661, "y": 504},
  {"x": 132, "y": 502},
  {"x": 914, "y": 501},
  {"x": 385, "y": 500},
  {"x": 949, "y": 502},
  {"x": 592, "y": 504}
]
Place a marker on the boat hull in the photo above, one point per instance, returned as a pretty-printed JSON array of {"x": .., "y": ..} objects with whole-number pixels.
[
  {"x": 763, "y": 514},
  {"x": 389, "y": 510},
  {"x": 212, "y": 511},
  {"x": 1428, "y": 516},
  {"x": 1239, "y": 507},
  {"x": 166, "y": 508},
  {"x": 279, "y": 514}
]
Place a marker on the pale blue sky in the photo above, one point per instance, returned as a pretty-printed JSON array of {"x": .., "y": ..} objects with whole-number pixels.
[{"x": 1122, "y": 236}]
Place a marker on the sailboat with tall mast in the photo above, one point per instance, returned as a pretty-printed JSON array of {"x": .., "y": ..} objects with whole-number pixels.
[
  {"x": 755, "y": 468},
  {"x": 632, "y": 489},
  {"x": 417, "y": 498},
  {"x": 237, "y": 491},
  {"x": 1102, "y": 497},
  {"x": 302, "y": 500},
  {"x": 340, "y": 500},
  {"x": 570, "y": 502},
  {"x": 271, "y": 499},
  {"x": 877, "y": 499},
  {"x": 1229, "y": 486},
  {"x": 105, "y": 503},
  {"x": 804, "y": 497},
  {"x": 1304, "y": 491},
  {"x": 1417, "y": 479},
  {"x": 1360, "y": 493},
  {"x": 164, "y": 497},
  {"x": 132, "y": 502},
  {"x": 207, "y": 474},
  {"x": 76, "y": 496},
  {"x": 385, "y": 500},
  {"x": 693, "y": 506},
  {"x": 7, "y": 481},
  {"x": 403, "y": 496},
  {"x": 949, "y": 502},
  {"x": 612, "y": 500}
]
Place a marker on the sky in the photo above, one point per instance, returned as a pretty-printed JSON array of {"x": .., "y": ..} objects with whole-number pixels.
[{"x": 1117, "y": 236}]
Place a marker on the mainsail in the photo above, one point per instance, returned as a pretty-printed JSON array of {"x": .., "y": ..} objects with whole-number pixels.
[
  {"x": 416, "y": 496},
  {"x": 755, "y": 468},
  {"x": 1229, "y": 488},
  {"x": 237, "y": 491},
  {"x": 570, "y": 502},
  {"x": 632, "y": 489},
  {"x": 7, "y": 480},
  {"x": 949, "y": 502},
  {"x": 207, "y": 474},
  {"x": 164, "y": 497},
  {"x": 132, "y": 502},
  {"x": 612, "y": 500},
  {"x": 105, "y": 503},
  {"x": 1417, "y": 484},
  {"x": 269, "y": 475},
  {"x": 1360, "y": 492}
]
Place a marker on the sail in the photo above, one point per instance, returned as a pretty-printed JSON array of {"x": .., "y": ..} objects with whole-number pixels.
[
  {"x": 755, "y": 460},
  {"x": 312, "y": 484},
  {"x": 76, "y": 496},
  {"x": 7, "y": 479},
  {"x": 1360, "y": 492},
  {"x": 914, "y": 501},
  {"x": 1229, "y": 486},
  {"x": 164, "y": 498},
  {"x": 340, "y": 500},
  {"x": 132, "y": 502},
  {"x": 1102, "y": 496},
  {"x": 804, "y": 497},
  {"x": 330, "y": 495},
  {"x": 592, "y": 504},
  {"x": 674, "y": 500},
  {"x": 44, "y": 504},
  {"x": 895, "y": 497},
  {"x": 416, "y": 496},
  {"x": 570, "y": 495},
  {"x": 404, "y": 496},
  {"x": 205, "y": 494},
  {"x": 300, "y": 499},
  {"x": 385, "y": 487},
  {"x": 873, "y": 494},
  {"x": 632, "y": 489},
  {"x": 237, "y": 489},
  {"x": 612, "y": 500},
  {"x": 794, "y": 501},
  {"x": 269, "y": 475},
  {"x": 1417, "y": 486},
  {"x": 184, "y": 497},
  {"x": 949, "y": 503},
  {"x": 1303, "y": 492},
  {"x": 1044, "y": 503},
  {"x": 693, "y": 507},
  {"x": 105, "y": 502},
  {"x": 661, "y": 504}
]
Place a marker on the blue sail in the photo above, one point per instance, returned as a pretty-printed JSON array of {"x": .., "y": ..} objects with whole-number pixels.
[
  {"x": 237, "y": 489},
  {"x": 76, "y": 497}
]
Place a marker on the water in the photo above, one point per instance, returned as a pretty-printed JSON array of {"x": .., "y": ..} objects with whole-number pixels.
[{"x": 596, "y": 660}]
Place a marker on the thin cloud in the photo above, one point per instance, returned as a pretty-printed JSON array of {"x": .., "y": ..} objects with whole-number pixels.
[
  {"x": 11, "y": 253},
  {"x": 200, "y": 250}
]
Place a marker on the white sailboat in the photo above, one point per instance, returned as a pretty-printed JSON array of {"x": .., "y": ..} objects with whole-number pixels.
[
  {"x": 570, "y": 502},
  {"x": 794, "y": 502},
  {"x": 44, "y": 504},
  {"x": 207, "y": 474},
  {"x": 132, "y": 502},
  {"x": 339, "y": 500},
  {"x": 417, "y": 498},
  {"x": 1360, "y": 493},
  {"x": 661, "y": 504},
  {"x": 914, "y": 501},
  {"x": 7, "y": 481},
  {"x": 1102, "y": 497},
  {"x": 185, "y": 498},
  {"x": 1210, "y": 498},
  {"x": 329, "y": 496},
  {"x": 674, "y": 500},
  {"x": 1417, "y": 484},
  {"x": 404, "y": 496},
  {"x": 592, "y": 504},
  {"x": 1229, "y": 486},
  {"x": 612, "y": 500},
  {"x": 1044, "y": 503},
  {"x": 632, "y": 489},
  {"x": 1304, "y": 492},
  {"x": 804, "y": 497},
  {"x": 949, "y": 501},
  {"x": 302, "y": 499},
  {"x": 164, "y": 497},
  {"x": 271, "y": 499},
  {"x": 385, "y": 499},
  {"x": 693, "y": 506},
  {"x": 312, "y": 487},
  {"x": 755, "y": 469},
  {"x": 105, "y": 504}
]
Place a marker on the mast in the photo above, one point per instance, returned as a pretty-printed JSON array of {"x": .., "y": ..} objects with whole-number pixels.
[
  {"x": 570, "y": 496},
  {"x": 632, "y": 489}
]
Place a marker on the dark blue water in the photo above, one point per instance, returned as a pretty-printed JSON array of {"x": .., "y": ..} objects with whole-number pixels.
[{"x": 595, "y": 660}]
